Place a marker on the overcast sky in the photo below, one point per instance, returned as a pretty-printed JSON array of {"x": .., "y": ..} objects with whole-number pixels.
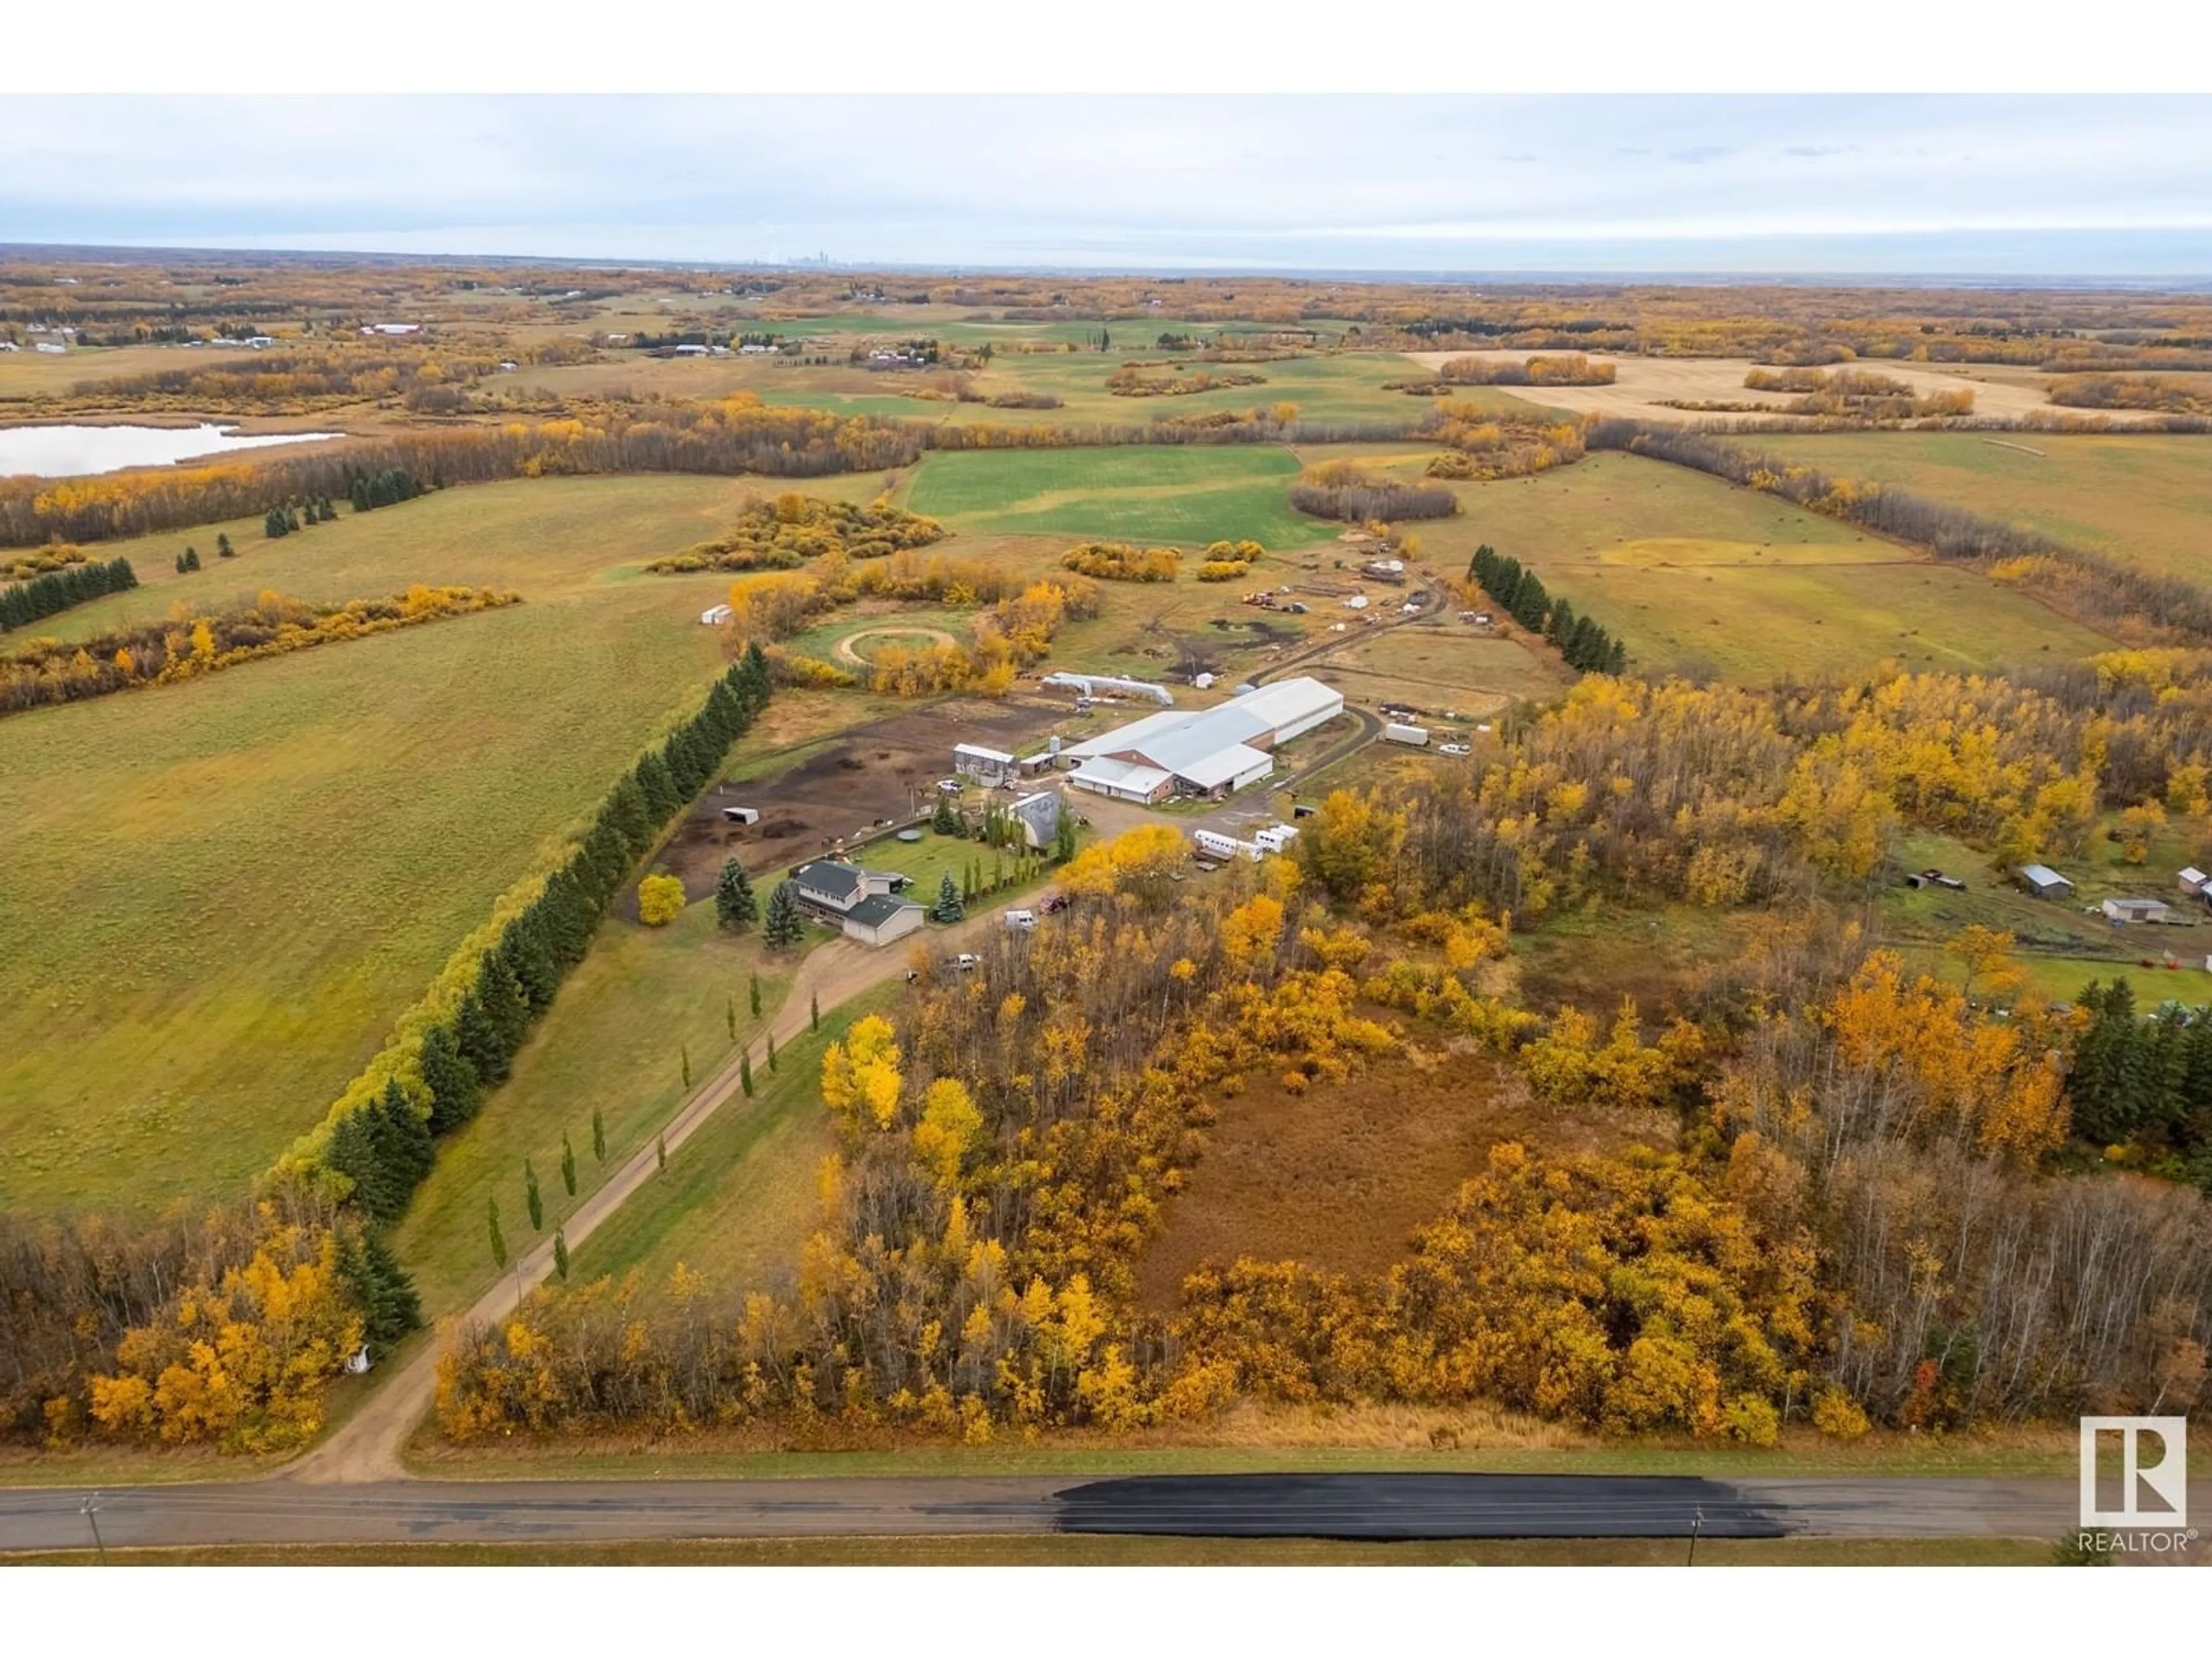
[{"x": 1805, "y": 184}]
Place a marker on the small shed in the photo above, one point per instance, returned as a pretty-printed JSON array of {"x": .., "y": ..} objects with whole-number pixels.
[
  {"x": 715, "y": 616},
  {"x": 2045, "y": 881},
  {"x": 1039, "y": 816},
  {"x": 2193, "y": 880},
  {"x": 985, "y": 765},
  {"x": 742, "y": 814},
  {"x": 2119, "y": 910}
]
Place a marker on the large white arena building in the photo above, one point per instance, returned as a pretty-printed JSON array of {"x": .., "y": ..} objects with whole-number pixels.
[{"x": 1207, "y": 752}]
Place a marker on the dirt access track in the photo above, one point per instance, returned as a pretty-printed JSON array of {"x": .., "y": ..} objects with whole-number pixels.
[
  {"x": 884, "y": 771},
  {"x": 1643, "y": 387},
  {"x": 844, "y": 650}
]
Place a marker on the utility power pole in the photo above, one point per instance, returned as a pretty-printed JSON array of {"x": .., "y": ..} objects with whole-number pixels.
[
  {"x": 1696, "y": 1526},
  {"x": 91, "y": 1512}
]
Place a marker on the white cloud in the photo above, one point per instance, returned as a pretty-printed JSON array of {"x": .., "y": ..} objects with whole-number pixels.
[{"x": 1440, "y": 182}]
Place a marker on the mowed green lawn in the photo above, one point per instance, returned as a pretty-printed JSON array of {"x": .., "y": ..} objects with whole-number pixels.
[
  {"x": 1143, "y": 493},
  {"x": 221, "y": 893},
  {"x": 2146, "y": 500},
  {"x": 738, "y": 1198},
  {"x": 1698, "y": 575},
  {"x": 614, "y": 1040}
]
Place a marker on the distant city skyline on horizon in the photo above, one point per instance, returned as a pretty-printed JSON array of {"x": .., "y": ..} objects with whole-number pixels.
[{"x": 1983, "y": 188}]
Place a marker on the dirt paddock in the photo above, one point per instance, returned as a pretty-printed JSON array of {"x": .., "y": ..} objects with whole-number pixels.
[{"x": 876, "y": 774}]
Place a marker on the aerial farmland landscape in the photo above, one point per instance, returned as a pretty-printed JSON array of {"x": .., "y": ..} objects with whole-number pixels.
[{"x": 1158, "y": 905}]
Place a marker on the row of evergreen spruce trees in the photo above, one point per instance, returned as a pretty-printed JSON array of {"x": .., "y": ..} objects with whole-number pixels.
[
  {"x": 387, "y": 1149},
  {"x": 368, "y": 492},
  {"x": 1588, "y": 648},
  {"x": 2144, "y": 1080},
  {"x": 24, "y": 603}
]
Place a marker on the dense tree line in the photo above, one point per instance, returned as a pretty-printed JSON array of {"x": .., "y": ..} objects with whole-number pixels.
[
  {"x": 1588, "y": 648},
  {"x": 386, "y": 489},
  {"x": 2102, "y": 589},
  {"x": 2147, "y": 392},
  {"x": 1118, "y": 562},
  {"x": 784, "y": 533},
  {"x": 1573, "y": 368},
  {"x": 49, "y": 671},
  {"x": 24, "y": 603},
  {"x": 56, "y": 555},
  {"x": 1130, "y": 380},
  {"x": 1350, "y": 492}
]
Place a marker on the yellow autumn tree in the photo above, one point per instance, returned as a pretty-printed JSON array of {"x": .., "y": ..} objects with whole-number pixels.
[
  {"x": 660, "y": 900},
  {"x": 861, "y": 1076},
  {"x": 1141, "y": 860},
  {"x": 950, "y": 1127}
]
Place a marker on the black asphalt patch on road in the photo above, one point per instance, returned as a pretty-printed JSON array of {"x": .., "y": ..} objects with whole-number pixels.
[{"x": 1415, "y": 1506}]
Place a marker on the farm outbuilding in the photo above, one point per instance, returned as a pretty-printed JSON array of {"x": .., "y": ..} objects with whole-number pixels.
[
  {"x": 1039, "y": 816},
  {"x": 1123, "y": 780},
  {"x": 2117, "y": 910},
  {"x": 989, "y": 766},
  {"x": 715, "y": 616},
  {"x": 1212, "y": 752},
  {"x": 2045, "y": 881},
  {"x": 2193, "y": 880}
]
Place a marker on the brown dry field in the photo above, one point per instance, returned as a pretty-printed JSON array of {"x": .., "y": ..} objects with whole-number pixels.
[
  {"x": 28, "y": 374},
  {"x": 1640, "y": 383},
  {"x": 1341, "y": 1176},
  {"x": 1440, "y": 668}
]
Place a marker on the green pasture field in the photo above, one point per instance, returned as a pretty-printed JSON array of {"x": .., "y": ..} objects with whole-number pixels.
[
  {"x": 614, "y": 1040},
  {"x": 2061, "y": 946},
  {"x": 2144, "y": 499},
  {"x": 739, "y": 1196},
  {"x": 222, "y": 892},
  {"x": 1698, "y": 575},
  {"x": 1143, "y": 492}
]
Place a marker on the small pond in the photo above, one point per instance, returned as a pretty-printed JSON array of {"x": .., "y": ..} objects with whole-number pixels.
[{"x": 72, "y": 452}]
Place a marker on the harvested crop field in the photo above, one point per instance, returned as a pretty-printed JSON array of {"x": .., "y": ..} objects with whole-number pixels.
[
  {"x": 2144, "y": 499},
  {"x": 1342, "y": 1176},
  {"x": 1648, "y": 388}
]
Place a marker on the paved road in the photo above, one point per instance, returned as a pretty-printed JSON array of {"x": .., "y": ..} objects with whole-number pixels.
[{"x": 1358, "y": 1506}]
